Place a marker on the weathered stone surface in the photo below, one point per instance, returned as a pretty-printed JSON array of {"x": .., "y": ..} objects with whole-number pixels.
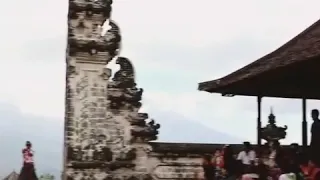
[
  {"x": 179, "y": 171},
  {"x": 162, "y": 166},
  {"x": 106, "y": 136},
  {"x": 94, "y": 142}
]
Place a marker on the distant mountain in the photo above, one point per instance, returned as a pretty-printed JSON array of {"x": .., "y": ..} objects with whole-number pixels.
[
  {"x": 45, "y": 134},
  {"x": 177, "y": 128},
  {"x": 47, "y": 137}
]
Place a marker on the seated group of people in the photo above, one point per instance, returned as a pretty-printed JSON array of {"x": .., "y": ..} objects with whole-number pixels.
[{"x": 270, "y": 162}]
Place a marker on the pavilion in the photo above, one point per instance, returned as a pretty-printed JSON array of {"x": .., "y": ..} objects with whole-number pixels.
[{"x": 290, "y": 71}]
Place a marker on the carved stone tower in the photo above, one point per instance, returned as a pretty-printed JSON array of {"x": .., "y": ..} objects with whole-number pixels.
[{"x": 105, "y": 135}]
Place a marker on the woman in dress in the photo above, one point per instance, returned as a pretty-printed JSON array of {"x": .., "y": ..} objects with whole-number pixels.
[
  {"x": 208, "y": 168},
  {"x": 218, "y": 163},
  {"x": 28, "y": 170},
  {"x": 231, "y": 166}
]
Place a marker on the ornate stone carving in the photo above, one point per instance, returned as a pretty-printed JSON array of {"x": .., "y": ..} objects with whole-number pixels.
[
  {"x": 90, "y": 7},
  {"x": 71, "y": 67},
  {"x": 91, "y": 47},
  {"x": 140, "y": 177},
  {"x": 106, "y": 73},
  {"x": 93, "y": 174},
  {"x": 125, "y": 96},
  {"x": 127, "y": 156},
  {"x": 148, "y": 132},
  {"x": 124, "y": 78},
  {"x": 84, "y": 31},
  {"x": 272, "y": 132},
  {"x": 113, "y": 40},
  {"x": 103, "y": 125},
  {"x": 123, "y": 93},
  {"x": 178, "y": 171},
  {"x": 138, "y": 119}
]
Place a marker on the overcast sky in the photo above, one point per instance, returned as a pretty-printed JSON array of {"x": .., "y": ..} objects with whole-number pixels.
[{"x": 174, "y": 45}]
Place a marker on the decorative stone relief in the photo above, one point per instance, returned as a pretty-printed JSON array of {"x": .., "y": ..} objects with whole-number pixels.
[
  {"x": 88, "y": 146},
  {"x": 84, "y": 31},
  {"x": 106, "y": 135},
  {"x": 177, "y": 171},
  {"x": 124, "y": 97},
  {"x": 94, "y": 174},
  {"x": 98, "y": 140}
]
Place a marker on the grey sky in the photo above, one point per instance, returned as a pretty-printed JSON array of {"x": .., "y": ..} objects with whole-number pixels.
[{"x": 174, "y": 44}]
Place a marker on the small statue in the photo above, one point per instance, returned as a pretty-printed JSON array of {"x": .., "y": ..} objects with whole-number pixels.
[{"x": 272, "y": 132}]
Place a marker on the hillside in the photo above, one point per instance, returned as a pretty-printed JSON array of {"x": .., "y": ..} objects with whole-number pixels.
[
  {"x": 47, "y": 135},
  {"x": 176, "y": 128}
]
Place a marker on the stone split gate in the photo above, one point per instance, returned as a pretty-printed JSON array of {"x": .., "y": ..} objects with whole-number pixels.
[{"x": 106, "y": 137}]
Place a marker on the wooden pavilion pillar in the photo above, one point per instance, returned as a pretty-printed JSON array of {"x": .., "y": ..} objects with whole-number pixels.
[
  {"x": 259, "y": 121},
  {"x": 304, "y": 124}
]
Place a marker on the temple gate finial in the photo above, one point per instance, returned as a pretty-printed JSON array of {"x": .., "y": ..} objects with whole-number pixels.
[{"x": 272, "y": 117}]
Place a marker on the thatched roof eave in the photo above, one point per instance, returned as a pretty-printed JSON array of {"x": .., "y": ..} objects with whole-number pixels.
[{"x": 303, "y": 47}]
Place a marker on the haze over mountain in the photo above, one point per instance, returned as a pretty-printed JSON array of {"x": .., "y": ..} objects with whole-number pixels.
[
  {"x": 177, "y": 128},
  {"x": 47, "y": 137}
]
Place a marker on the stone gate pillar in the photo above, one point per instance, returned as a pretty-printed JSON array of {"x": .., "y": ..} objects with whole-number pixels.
[
  {"x": 86, "y": 153},
  {"x": 105, "y": 135}
]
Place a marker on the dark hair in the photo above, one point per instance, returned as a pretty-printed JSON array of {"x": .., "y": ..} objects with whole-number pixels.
[
  {"x": 276, "y": 145},
  {"x": 28, "y": 143},
  {"x": 207, "y": 157},
  {"x": 315, "y": 112},
  {"x": 247, "y": 144},
  {"x": 230, "y": 164},
  {"x": 228, "y": 152},
  {"x": 315, "y": 159},
  {"x": 286, "y": 167},
  {"x": 303, "y": 158}
]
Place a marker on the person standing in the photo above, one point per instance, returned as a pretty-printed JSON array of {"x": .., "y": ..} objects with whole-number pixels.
[
  {"x": 28, "y": 170},
  {"x": 247, "y": 157},
  {"x": 231, "y": 166},
  {"x": 219, "y": 164},
  {"x": 315, "y": 135},
  {"x": 208, "y": 167}
]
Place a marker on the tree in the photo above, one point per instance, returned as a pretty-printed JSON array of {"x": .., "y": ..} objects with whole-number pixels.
[{"x": 47, "y": 177}]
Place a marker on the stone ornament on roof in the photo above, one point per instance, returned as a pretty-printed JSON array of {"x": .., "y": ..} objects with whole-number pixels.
[{"x": 272, "y": 132}]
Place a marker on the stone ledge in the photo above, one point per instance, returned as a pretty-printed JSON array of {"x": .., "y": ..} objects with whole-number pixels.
[
  {"x": 190, "y": 148},
  {"x": 187, "y": 149}
]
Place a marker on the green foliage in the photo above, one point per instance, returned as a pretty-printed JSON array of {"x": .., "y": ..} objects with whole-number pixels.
[{"x": 46, "y": 177}]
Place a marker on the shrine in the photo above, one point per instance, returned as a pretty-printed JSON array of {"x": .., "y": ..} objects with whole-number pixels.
[
  {"x": 273, "y": 133},
  {"x": 291, "y": 71}
]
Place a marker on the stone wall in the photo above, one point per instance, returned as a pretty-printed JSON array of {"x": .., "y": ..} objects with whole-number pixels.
[
  {"x": 177, "y": 160},
  {"x": 106, "y": 136},
  {"x": 180, "y": 160},
  {"x": 90, "y": 136}
]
